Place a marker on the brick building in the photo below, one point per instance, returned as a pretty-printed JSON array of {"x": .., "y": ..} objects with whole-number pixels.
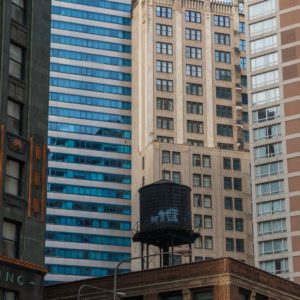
[{"x": 223, "y": 278}]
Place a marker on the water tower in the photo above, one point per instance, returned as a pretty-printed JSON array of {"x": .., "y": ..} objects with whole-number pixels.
[{"x": 165, "y": 217}]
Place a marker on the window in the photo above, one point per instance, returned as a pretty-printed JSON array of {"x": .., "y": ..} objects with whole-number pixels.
[
  {"x": 237, "y": 184},
  {"x": 192, "y": 16},
  {"x": 207, "y": 221},
  {"x": 222, "y": 56},
  {"x": 228, "y": 203},
  {"x": 265, "y": 96},
  {"x": 207, "y": 203},
  {"x": 165, "y": 139},
  {"x": 206, "y": 163},
  {"x": 172, "y": 297},
  {"x": 244, "y": 82},
  {"x": 164, "y": 104},
  {"x": 224, "y": 130},
  {"x": 227, "y": 183},
  {"x": 197, "y": 200},
  {"x": 239, "y": 224},
  {"x": 13, "y": 177},
  {"x": 276, "y": 266},
  {"x": 222, "y": 38},
  {"x": 238, "y": 204},
  {"x": 229, "y": 244},
  {"x": 266, "y": 114},
  {"x": 196, "y": 143},
  {"x": 269, "y": 188},
  {"x": 165, "y": 157},
  {"x": 222, "y": 74},
  {"x": 240, "y": 245},
  {"x": 193, "y": 52},
  {"x": 18, "y": 10},
  {"x": 272, "y": 247},
  {"x": 194, "y": 89},
  {"x": 196, "y": 159},
  {"x": 8, "y": 295},
  {"x": 236, "y": 164},
  {"x": 16, "y": 61},
  {"x": 269, "y": 169},
  {"x": 192, "y": 34},
  {"x": 223, "y": 93},
  {"x": 224, "y": 111},
  {"x": 164, "y": 30},
  {"x": 225, "y": 146},
  {"x": 243, "y": 63},
  {"x": 262, "y": 27},
  {"x": 207, "y": 181},
  {"x": 194, "y": 108},
  {"x": 262, "y": 9},
  {"x": 197, "y": 221},
  {"x": 10, "y": 238},
  {"x": 166, "y": 175},
  {"x": 242, "y": 45},
  {"x": 221, "y": 21},
  {"x": 227, "y": 163},
  {"x": 164, "y": 123},
  {"x": 176, "y": 158},
  {"x": 208, "y": 242},
  {"x": 164, "y": 66},
  {"x": 245, "y": 99},
  {"x": 228, "y": 223},
  {"x": 266, "y": 151},
  {"x": 198, "y": 243},
  {"x": 194, "y": 126},
  {"x": 197, "y": 180},
  {"x": 164, "y": 48},
  {"x": 263, "y": 44},
  {"x": 13, "y": 117},
  {"x": 176, "y": 177},
  {"x": 242, "y": 27},
  {"x": 164, "y": 12},
  {"x": 267, "y": 132},
  {"x": 271, "y": 227},
  {"x": 204, "y": 294},
  {"x": 264, "y": 61},
  {"x": 164, "y": 85},
  {"x": 194, "y": 71}
]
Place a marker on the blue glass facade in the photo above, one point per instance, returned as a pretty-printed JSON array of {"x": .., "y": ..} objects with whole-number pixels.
[{"x": 89, "y": 132}]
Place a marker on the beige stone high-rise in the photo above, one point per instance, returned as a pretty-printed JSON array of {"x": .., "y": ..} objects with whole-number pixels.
[
  {"x": 190, "y": 116},
  {"x": 274, "y": 75}
]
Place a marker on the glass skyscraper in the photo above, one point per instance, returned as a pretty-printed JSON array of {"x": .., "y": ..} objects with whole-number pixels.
[{"x": 88, "y": 199}]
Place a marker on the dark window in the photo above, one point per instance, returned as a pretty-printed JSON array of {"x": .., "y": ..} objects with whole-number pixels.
[
  {"x": 228, "y": 203},
  {"x": 196, "y": 143},
  {"x": 237, "y": 183},
  {"x": 228, "y": 223},
  {"x": 164, "y": 104},
  {"x": 224, "y": 130},
  {"x": 197, "y": 221},
  {"x": 197, "y": 200},
  {"x": 164, "y": 123},
  {"x": 194, "y": 89},
  {"x": 223, "y": 74},
  {"x": 13, "y": 177},
  {"x": 164, "y": 48},
  {"x": 196, "y": 159},
  {"x": 164, "y": 12},
  {"x": 243, "y": 62},
  {"x": 18, "y": 11},
  {"x": 236, "y": 164},
  {"x": 176, "y": 177},
  {"x": 260, "y": 297},
  {"x": 194, "y": 71},
  {"x": 244, "y": 80},
  {"x": 245, "y": 117},
  {"x": 229, "y": 244},
  {"x": 164, "y": 85},
  {"x": 172, "y": 297},
  {"x": 242, "y": 45},
  {"x": 238, "y": 204},
  {"x": 164, "y": 30},
  {"x": 242, "y": 27},
  {"x": 165, "y": 139},
  {"x": 14, "y": 112},
  {"x": 222, "y": 56},
  {"x": 166, "y": 175},
  {"x": 193, "y": 52},
  {"x": 192, "y": 34},
  {"x": 225, "y": 146},
  {"x": 222, "y": 38},
  {"x": 197, "y": 180},
  {"x": 221, "y": 21},
  {"x": 166, "y": 157},
  {"x": 164, "y": 66},
  {"x": 194, "y": 108},
  {"x": 239, "y": 224},
  {"x": 205, "y": 294},
  {"x": 192, "y": 16},
  {"x": 223, "y": 93},
  {"x": 194, "y": 126},
  {"x": 246, "y": 136},
  {"x": 240, "y": 247},
  {"x": 16, "y": 61},
  {"x": 10, "y": 238},
  {"x": 227, "y": 183},
  {"x": 245, "y": 99},
  {"x": 227, "y": 163},
  {"x": 224, "y": 111}
]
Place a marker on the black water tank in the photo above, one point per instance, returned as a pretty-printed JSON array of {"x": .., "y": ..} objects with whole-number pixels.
[{"x": 165, "y": 205}]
